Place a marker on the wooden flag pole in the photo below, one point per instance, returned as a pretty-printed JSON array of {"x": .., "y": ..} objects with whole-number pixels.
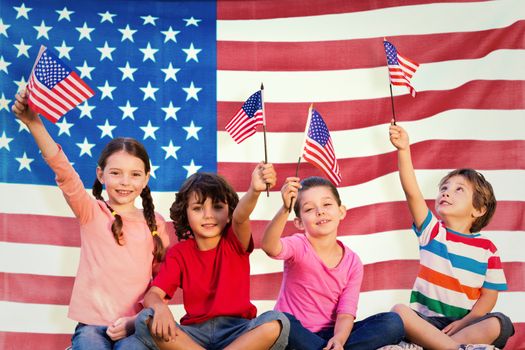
[
  {"x": 264, "y": 133},
  {"x": 392, "y": 101}
]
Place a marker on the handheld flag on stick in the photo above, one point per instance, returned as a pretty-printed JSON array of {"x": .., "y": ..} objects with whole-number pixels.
[
  {"x": 243, "y": 124},
  {"x": 264, "y": 132},
  {"x": 400, "y": 68},
  {"x": 54, "y": 88},
  {"x": 318, "y": 148}
]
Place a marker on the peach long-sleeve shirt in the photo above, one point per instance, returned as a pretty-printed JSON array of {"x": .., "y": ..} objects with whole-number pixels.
[{"x": 111, "y": 279}]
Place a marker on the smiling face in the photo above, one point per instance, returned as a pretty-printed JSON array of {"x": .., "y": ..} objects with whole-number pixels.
[
  {"x": 455, "y": 200},
  {"x": 124, "y": 177},
  {"x": 207, "y": 220},
  {"x": 319, "y": 212}
]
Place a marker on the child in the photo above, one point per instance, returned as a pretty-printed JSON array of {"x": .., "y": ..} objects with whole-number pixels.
[
  {"x": 211, "y": 265},
  {"x": 322, "y": 277},
  {"x": 460, "y": 271},
  {"x": 119, "y": 242}
]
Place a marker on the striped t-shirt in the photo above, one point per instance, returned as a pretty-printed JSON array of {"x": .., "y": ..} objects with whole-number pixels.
[{"x": 453, "y": 267}]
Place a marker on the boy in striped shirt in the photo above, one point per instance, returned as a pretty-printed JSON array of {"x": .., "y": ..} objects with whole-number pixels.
[{"x": 460, "y": 272}]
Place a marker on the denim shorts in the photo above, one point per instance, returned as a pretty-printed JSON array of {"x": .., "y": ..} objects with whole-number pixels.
[
  {"x": 218, "y": 332},
  {"x": 506, "y": 327}
]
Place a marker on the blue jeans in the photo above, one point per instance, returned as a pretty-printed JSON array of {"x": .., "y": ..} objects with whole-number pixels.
[
  {"x": 216, "y": 333},
  {"x": 369, "y": 334},
  {"x": 87, "y": 337}
]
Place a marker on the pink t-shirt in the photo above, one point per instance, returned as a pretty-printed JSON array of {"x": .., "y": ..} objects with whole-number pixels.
[
  {"x": 111, "y": 279},
  {"x": 214, "y": 282},
  {"x": 312, "y": 292}
]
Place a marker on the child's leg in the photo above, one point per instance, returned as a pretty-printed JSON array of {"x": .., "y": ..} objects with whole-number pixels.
[
  {"x": 90, "y": 337},
  {"x": 376, "y": 331},
  {"x": 421, "y": 332},
  {"x": 493, "y": 328},
  {"x": 301, "y": 338},
  {"x": 260, "y": 338}
]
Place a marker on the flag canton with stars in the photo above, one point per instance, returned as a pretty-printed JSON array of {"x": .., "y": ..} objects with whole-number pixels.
[
  {"x": 391, "y": 53},
  {"x": 153, "y": 70},
  {"x": 253, "y": 104},
  {"x": 318, "y": 130},
  {"x": 50, "y": 70}
]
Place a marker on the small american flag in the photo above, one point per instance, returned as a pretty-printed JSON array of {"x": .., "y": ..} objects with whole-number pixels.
[
  {"x": 318, "y": 148},
  {"x": 54, "y": 89},
  {"x": 250, "y": 115},
  {"x": 400, "y": 68}
]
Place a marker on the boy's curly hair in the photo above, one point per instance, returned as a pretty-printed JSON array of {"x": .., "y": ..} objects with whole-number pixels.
[
  {"x": 204, "y": 185},
  {"x": 482, "y": 197}
]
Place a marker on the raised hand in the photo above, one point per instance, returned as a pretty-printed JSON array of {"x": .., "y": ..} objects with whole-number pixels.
[
  {"x": 398, "y": 137},
  {"x": 263, "y": 175},
  {"x": 21, "y": 109}
]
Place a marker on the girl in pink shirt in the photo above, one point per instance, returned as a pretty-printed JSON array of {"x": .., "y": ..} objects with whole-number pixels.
[{"x": 119, "y": 242}]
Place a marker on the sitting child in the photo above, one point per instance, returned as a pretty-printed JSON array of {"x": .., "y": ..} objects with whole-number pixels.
[{"x": 460, "y": 271}]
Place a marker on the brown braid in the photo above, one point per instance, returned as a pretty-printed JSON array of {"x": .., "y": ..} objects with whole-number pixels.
[
  {"x": 149, "y": 214},
  {"x": 116, "y": 227}
]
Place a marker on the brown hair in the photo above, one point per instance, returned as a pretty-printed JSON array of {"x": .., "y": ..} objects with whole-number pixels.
[
  {"x": 136, "y": 149},
  {"x": 204, "y": 185},
  {"x": 482, "y": 197},
  {"x": 314, "y": 181}
]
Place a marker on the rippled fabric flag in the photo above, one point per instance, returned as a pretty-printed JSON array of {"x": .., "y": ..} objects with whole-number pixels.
[
  {"x": 244, "y": 123},
  {"x": 54, "y": 89},
  {"x": 319, "y": 149},
  {"x": 400, "y": 68}
]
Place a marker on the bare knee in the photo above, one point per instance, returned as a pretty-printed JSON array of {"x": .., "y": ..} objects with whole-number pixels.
[
  {"x": 401, "y": 309},
  {"x": 271, "y": 329}
]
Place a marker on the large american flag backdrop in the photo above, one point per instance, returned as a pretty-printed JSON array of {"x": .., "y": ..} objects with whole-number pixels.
[{"x": 173, "y": 73}]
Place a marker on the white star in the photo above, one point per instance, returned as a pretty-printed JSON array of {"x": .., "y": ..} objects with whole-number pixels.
[
  {"x": 170, "y": 34},
  {"x": 22, "y": 126},
  {"x": 192, "y": 131},
  {"x": 42, "y": 30},
  {"x": 127, "y": 72},
  {"x": 24, "y": 162},
  {"x": 107, "y": 130},
  {"x": 149, "y": 53},
  {"x": 85, "y": 147},
  {"x": 127, "y": 33},
  {"x": 63, "y": 127},
  {"x": 192, "y": 21},
  {"x": 4, "y": 103},
  {"x": 63, "y": 50},
  {"x": 152, "y": 169},
  {"x": 171, "y": 150},
  {"x": 85, "y": 32},
  {"x": 171, "y": 112},
  {"x": 191, "y": 53},
  {"x": 149, "y": 92},
  {"x": 22, "y": 48},
  {"x": 4, "y": 64},
  {"x": 149, "y": 19},
  {"x": 170, "y": 72},
  {"x": 3, "y": 28},
  {"x": 192, "y": 91},
  {"x": 128, "y": 111},
  {"x": 191, "y": 168},
  {"x": 22, "y": 83},
  {"x": 4, "y": 141},
  {"x": 105, "y": 52},
  {"x": 85, "y": 110},
  {"x": 64, "y": 14},
  {"x": 149, "y": 130},
  {"x": 85, "y": 70},
  {"x": 106, "y": 16},
  {"x": 22, "y": 11},
  {"x": 107, "y": 91}
]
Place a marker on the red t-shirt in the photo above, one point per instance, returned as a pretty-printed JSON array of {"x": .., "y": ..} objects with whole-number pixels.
[{"x": 214, "y": 283}]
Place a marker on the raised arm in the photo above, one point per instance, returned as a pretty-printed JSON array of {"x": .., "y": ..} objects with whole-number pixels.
[
  {"x": 416, "y": 202},
  {"x": 271, "y": 242},
  {"x": 262, "y": 175},
  {"x": 32, "y": 120}
]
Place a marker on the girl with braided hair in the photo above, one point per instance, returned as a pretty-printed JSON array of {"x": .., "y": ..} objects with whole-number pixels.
[{"x": 120, "y": 243}]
